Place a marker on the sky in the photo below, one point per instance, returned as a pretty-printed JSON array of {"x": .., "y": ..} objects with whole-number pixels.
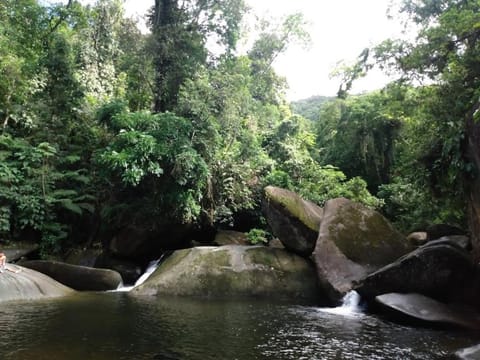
[{"x": 340, "y": 30}]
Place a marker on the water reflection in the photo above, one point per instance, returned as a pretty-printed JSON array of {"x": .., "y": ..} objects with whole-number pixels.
[{"x": 119, "y": 326}]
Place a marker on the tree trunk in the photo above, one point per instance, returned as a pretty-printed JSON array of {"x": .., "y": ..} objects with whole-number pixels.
[{"x": 473, "y": 183}]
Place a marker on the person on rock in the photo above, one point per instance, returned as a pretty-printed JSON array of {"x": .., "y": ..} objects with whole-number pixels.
[{"x": 3, "y": 262}]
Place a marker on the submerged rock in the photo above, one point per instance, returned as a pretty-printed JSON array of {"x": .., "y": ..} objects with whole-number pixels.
[
  {"x": 438, "y": 270},
  {"x": 425, "y": 309},
  {"x": 293, "y": 220},
  {"x": 19, "y": 283},
  {"x": 77, "y": 277},
  {"x": 353, "y": 241},
  {"x": 233, "y": 271}
]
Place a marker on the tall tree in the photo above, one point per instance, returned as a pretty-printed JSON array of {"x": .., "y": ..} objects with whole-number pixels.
[
  {"x": 180, "y": 32},
  {"x": 446, "y": 53}
]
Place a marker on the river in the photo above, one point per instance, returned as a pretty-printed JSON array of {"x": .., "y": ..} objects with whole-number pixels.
[{"x": 112, "y": 326}]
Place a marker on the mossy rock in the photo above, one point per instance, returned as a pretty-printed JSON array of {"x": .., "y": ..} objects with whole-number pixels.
[
  {"x": 293, "y": 220},
  {"x": 234, "y": 272},
  {"x": 353, "y": 241}
]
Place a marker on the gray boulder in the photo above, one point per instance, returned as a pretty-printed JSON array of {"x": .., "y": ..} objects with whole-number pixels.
[
  {"x": 233, "y": 271},
  {"x": 425, "y": 309},
  {"x": 77, "y": 277},
  {"x": 18, "y": 283},
  {"x": 293, "y": 220},
  {"x": 439, "y": 271},
  {"x": 353, "y": 241}
]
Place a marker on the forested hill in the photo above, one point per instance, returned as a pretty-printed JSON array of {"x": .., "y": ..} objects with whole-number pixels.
[
  {"x": 310, "y": 108},
  {"x": 107, "y": 131}
]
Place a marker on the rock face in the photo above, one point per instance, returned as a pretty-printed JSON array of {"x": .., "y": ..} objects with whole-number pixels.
[
  {"x": 293, "y": 220},
  {"x": 353, "y": 241},
  {"x": 77, "y": 277},
  {"x": 422, "y": 308},
  {"x": 233, "y": 271},
  {"x": 29, "y": 285},
  {"x": 436, "y": 270}
]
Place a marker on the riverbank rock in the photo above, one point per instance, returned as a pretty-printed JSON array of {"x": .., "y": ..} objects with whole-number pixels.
[
  {"x": 425, "y": 309},
  {"x": 437, "y": 270},
  {"x": 77, "y": 277},
  {"x": 353, "y": 241},
  {"x": 233, "y": 272},
  {"x": 19, "y": 283},
  {"x": 293, "y": 220}
]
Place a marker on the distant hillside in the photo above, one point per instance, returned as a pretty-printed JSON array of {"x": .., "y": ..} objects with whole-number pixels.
[{"x": 310, "y": 108}]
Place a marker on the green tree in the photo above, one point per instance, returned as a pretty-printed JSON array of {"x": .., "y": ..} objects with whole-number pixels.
[{"x": 180, "y": 31}]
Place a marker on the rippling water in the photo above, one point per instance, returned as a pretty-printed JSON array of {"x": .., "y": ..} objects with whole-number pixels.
[{"x": 119, "y": 326}]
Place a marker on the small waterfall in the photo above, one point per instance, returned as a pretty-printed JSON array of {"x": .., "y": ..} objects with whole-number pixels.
[
  {"x": 152, "y": 266},
  {"x": 350, "y": 305}
]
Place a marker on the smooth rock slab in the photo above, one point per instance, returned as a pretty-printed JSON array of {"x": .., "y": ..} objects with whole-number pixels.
[
  {"x": 429, "y": 310},
  {"x": 81, "y": 278},
  {"x": 439, "y": 271},
  {"x": 28, "y": 284}
]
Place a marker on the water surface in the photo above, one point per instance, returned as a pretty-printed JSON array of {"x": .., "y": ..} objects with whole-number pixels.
[{"x": 115, "y": 326}]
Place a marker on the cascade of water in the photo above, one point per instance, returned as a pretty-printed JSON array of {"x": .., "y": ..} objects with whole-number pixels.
[
  {"x": 152, "y": 266},
  {"x": 350, "y": 305}
]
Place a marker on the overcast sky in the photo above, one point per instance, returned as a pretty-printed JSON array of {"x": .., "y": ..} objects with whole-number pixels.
[{"x": 340, "y": 30}]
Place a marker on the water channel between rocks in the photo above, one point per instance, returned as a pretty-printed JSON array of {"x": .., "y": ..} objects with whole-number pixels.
[{"x": 117, "y": 325}]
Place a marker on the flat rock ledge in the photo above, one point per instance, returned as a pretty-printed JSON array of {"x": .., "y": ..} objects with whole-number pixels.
[{"x": 425, "y": 309}]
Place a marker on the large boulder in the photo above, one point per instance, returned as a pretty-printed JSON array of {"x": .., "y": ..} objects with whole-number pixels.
[
  {"x": 438, "y": 270},
  {"x": 77, "y": 277},
  {"x": 293, "y": 220},
  {"x": 353, "y": 241},
  {"x": 427, "y": 310},
  {"x": 233, "y": 271},
  {"x": 19, "y": 283}
]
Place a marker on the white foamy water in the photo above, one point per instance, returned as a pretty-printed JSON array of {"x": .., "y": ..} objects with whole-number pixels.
[
  {"x": 350, "y": 305},
  {"x": 152, "y": 266}
]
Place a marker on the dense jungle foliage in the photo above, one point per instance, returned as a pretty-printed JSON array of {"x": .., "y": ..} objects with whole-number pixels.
[{"x": 104, "y": 126}]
